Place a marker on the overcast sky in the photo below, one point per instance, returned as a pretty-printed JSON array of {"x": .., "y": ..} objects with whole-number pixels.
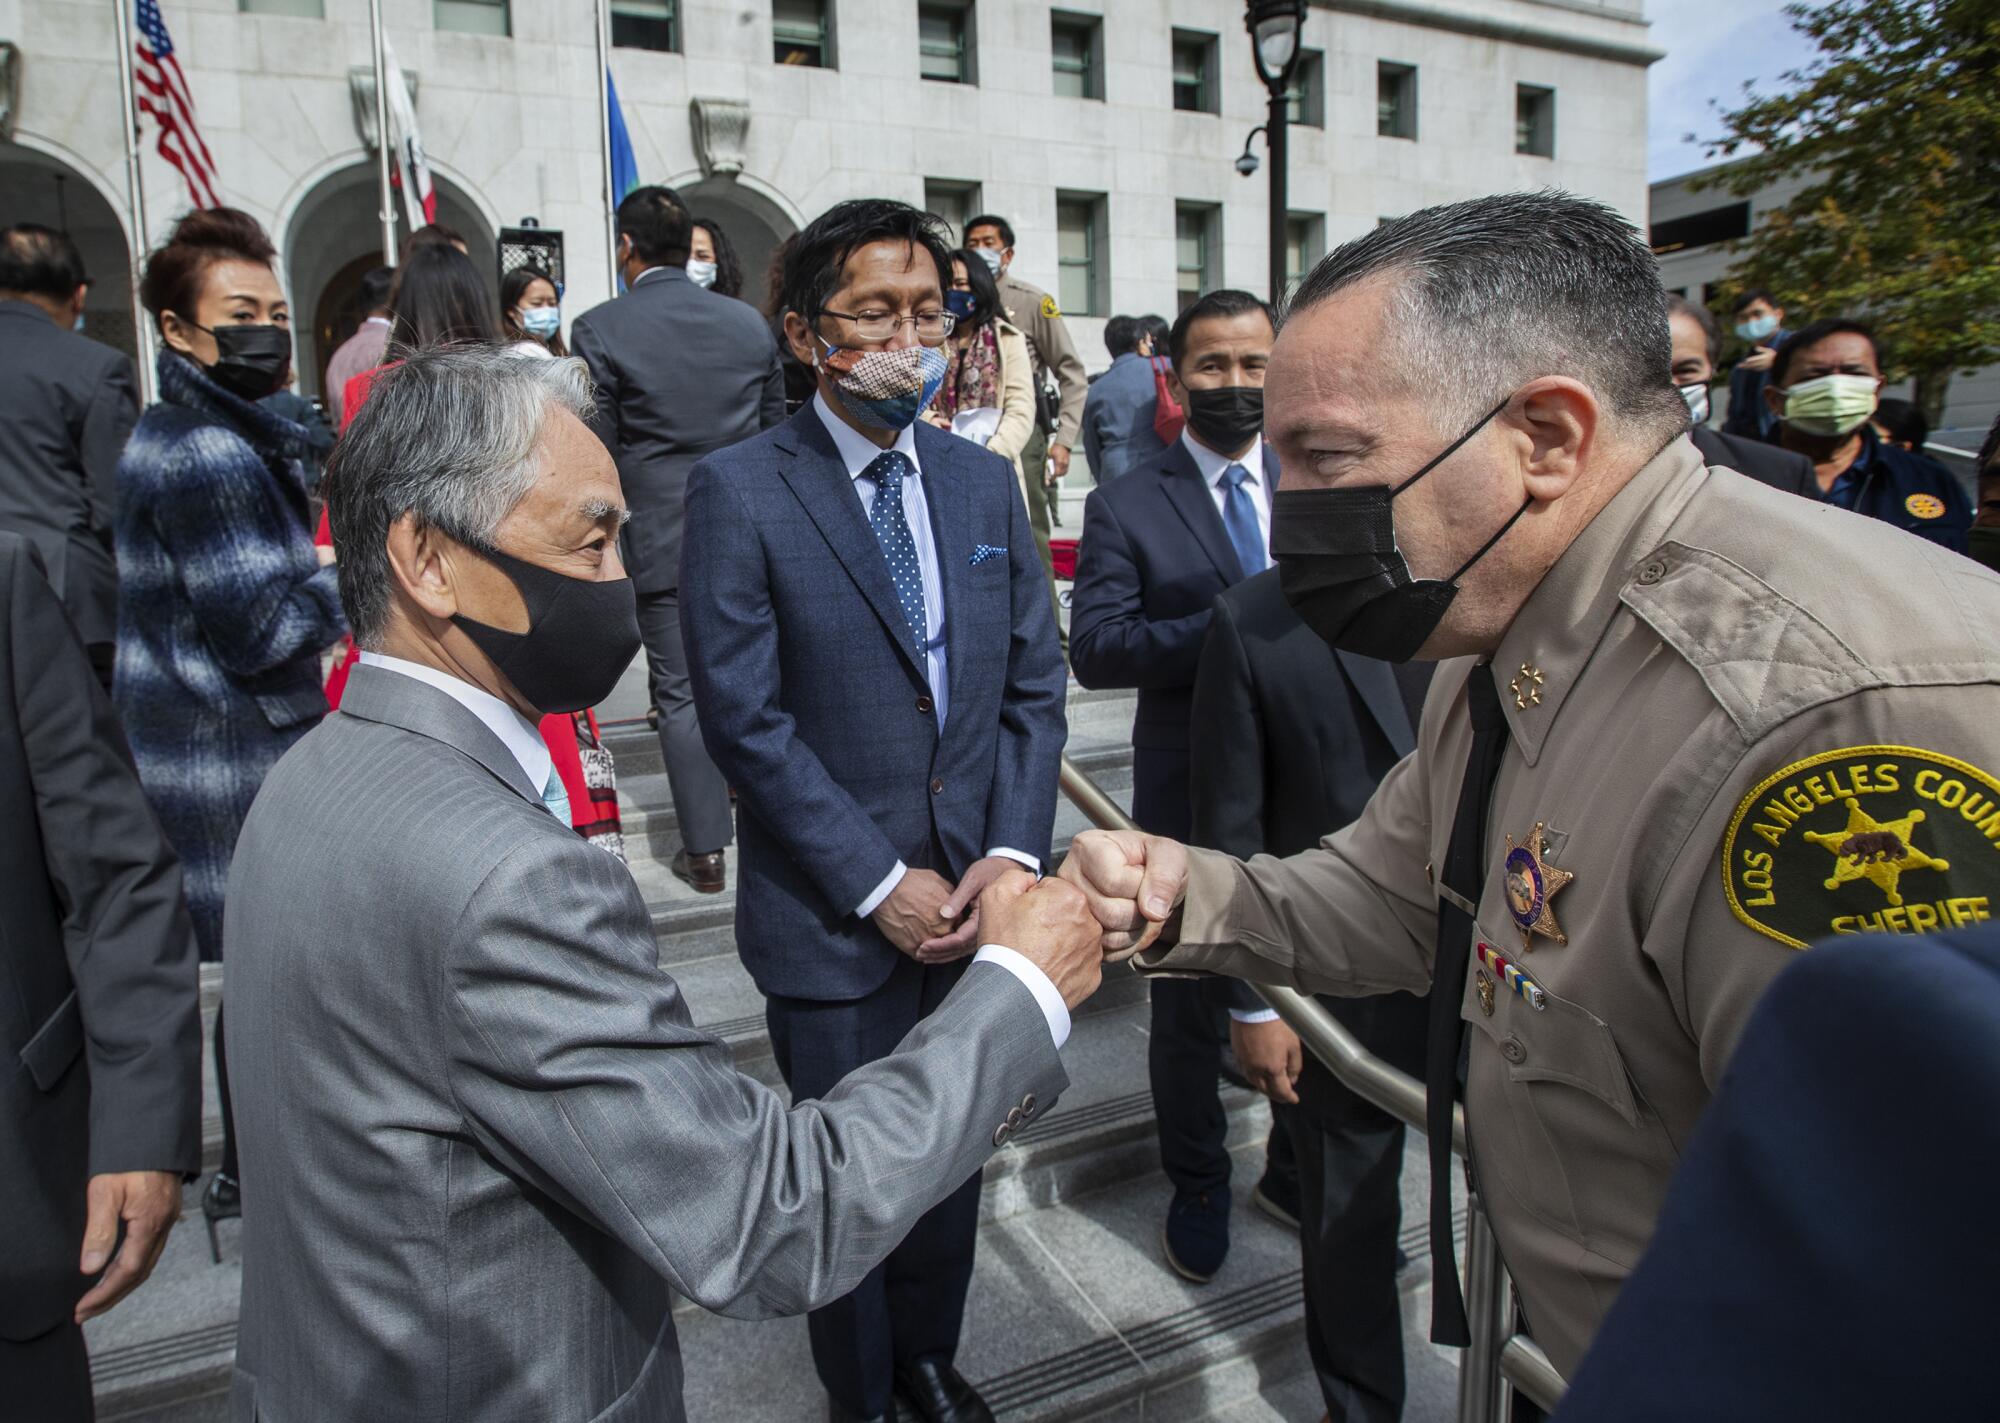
[{"x": 1713, "y": 47}]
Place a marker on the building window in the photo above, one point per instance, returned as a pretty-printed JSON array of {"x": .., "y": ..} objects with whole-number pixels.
[
  {"x": 1305, "y": 244},
  {"x": 1077, "y": 54},
  {"x": 645, "y": 24},
  {"x": 1194, "y": 73},
  {"x": 470, "y": 17},
  {"x": 1535, "y": 120},
  {"x": 1305, "y": 101},
  {"x": 1082, "y": 275},
  {"x": 954, "y": 200},
  {"x": 802, "y": 33},
  {"x": 304, "y": 9},
  {"x": 1701, "y": 229},
  {"x": 1396, "y": 100},
  {"x": 944, "y": 43},
  {"x": 1196, "y": 248}
]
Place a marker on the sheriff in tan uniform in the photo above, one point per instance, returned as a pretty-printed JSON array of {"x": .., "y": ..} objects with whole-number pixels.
[{"x": 1738, "y": 722}]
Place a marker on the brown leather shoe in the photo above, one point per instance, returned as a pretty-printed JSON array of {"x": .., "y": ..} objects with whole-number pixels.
[{"x": 703, "y": 873}]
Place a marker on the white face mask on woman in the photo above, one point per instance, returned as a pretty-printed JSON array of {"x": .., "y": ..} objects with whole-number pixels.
[{"x": 701, "y": 273}]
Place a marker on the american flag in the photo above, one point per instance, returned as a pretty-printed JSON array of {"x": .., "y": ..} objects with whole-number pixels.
[{"x": 163, "y": 93}]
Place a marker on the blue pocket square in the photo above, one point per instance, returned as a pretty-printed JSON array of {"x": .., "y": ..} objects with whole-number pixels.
[{"x": 986, "y": 551}]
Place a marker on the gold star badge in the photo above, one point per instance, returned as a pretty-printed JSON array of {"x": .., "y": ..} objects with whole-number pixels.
[
  {"x": 1878, "y": 851},
  {"x": 1526, "y": 687},
  {"x": 1530, "y": 883}
]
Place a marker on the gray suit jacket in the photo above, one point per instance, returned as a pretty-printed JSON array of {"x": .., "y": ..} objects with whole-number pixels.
[
  {"x": 679, "y": 371},
  {"x": 70, "y": 404},
  {"x": 482, "y": 1143}
]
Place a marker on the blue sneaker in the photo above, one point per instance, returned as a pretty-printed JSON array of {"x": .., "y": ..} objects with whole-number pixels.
[{"x": 1197, "y": 1233}]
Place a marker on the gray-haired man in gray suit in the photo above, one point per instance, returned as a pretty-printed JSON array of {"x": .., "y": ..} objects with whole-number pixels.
[{"x": 482, "y": 1143}]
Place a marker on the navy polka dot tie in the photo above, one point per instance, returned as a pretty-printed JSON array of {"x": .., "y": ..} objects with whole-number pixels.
[{"x": 899, "y": 549}]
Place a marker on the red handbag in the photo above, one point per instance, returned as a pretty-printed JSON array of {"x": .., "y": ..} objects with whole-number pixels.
[{"x": 1168, "y": 417}]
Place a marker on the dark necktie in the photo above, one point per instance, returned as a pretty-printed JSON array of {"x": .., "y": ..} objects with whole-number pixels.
[
  {"x": 899, "y": 548},
  {"x": 1464, "y": 874},
  {"x": 1239, "y": 519}
]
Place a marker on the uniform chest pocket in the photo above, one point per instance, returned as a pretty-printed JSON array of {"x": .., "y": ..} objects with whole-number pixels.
[{"x": 1543, "y": 1038}]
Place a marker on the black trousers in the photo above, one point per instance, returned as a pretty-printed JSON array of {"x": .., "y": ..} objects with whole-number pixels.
[
  {"x": 909, "y": 1308},
  {"x": 701, "y": 795},
  {"x": 1184, "y": 1061},
  {"x": 1350, "y": 1156},
  {"x": 47, "y": 1378}
]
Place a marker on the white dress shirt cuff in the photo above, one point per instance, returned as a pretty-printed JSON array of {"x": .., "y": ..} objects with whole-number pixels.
[
  {"x": 1028, "y": 862},
  {"x": 1254, "y": 1015},
  {"x": 1022, "y": 967},
  {"x": 882, "y": 891}
]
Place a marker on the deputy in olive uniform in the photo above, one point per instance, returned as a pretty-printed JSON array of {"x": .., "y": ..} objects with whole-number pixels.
[{"x": 1718, "y": 723}]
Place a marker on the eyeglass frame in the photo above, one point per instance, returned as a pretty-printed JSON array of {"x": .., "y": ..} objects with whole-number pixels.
[{"x": 896, "y": 323}]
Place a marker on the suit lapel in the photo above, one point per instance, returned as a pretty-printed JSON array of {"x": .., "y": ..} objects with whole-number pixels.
[
  {"x": 820, "y": 483},
  {"x": 377, "y": 694},
  {"x": 1185, "y": 489},
  {"x": 950, "y": 502},
  {"x": 1376, "y": 683}
]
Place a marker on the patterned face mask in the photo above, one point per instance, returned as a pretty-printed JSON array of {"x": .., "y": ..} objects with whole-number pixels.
[{"x": 886, "y": 389}]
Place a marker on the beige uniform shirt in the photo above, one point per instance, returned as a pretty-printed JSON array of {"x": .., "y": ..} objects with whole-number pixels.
[
  {"x": 1740, "y": 721},
  {"x": 1035, "y": 312}
]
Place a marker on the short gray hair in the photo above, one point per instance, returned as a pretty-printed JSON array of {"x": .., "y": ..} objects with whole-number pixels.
[
  {"x": 448, "y": 435},
  {"x": 1500, "y": 290}
]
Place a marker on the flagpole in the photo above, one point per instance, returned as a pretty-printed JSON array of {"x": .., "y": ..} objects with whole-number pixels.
[
  {"x": 385, "y": 200},
  {"x": 604, "y": 146},
  {"x": 135, "y": 237}
]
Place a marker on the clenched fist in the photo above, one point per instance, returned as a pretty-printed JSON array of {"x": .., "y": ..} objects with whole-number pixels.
[
  {"x": 1050, "y": 924},
  {"x": 1134, "y": 882}
]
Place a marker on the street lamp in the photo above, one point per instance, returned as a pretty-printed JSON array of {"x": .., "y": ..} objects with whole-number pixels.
[{"x": 1274, "y": 34}]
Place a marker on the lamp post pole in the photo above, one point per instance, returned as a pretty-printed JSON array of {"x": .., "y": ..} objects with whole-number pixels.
[
  {"x": 1274, "y": 135},
  {"x": 1274, "y": 27}
]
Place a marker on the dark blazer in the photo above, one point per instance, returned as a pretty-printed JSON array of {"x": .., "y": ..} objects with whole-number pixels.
[
  {"x": 1767, "y": 464},
  {"x": 1153, "y": 557},
  {"x": 1827, "y": 1247},
  {"x": 680, "y": 371},
  {"x": 486, "y": 1148},
  {"x": 99, "y": 1006},
  {"x": 814, "y": 706},
  {"x": 1909, "y": 491},
  {"x": 1118, "y": 419},
  {"x": 1291, "y": 738},
  {"x": 223, "y": 612},
  {"x": 70, "y": 405}
]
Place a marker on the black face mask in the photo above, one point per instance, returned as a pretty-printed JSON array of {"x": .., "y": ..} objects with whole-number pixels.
[
  {"x": 1343, "y": 574},
  {"x": 1228, "y": 418},
  {"x": 251, "y": 361},
  {"x": 581, "y": 636}
]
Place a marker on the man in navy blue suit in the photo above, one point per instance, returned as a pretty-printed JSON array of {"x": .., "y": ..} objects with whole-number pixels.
[
  {"x": 1158, "y": 545},
  {"x": 1827, "y": 1248},
  {"x": 876, "y": 671}
]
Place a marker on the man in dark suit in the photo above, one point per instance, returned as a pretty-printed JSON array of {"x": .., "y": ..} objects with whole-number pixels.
[
  {"x": 1697, "y": 346},
  {"x": 1827, "y": 1250},
  {"x": 1118, "y": 411},
  {"x": 1290, "y": 740},
  {"x": 100, "y": 1112},
  {"x": 876, "y": 665},
  {"x": 679, "y": 372},
  {"x": 1158, "y": 545},
  {"x": 70, "y": 404}
]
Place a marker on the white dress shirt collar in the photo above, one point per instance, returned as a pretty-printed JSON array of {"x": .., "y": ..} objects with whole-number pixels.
[
  {"x": 856, "y": 449},
  {"x": 1213, "y": 465},
  {"x": 516, "y": 732}
]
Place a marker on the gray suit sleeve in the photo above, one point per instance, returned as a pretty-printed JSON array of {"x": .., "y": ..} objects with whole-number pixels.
[
  {"x": 574, "y": 1061},
  {"x": 107, "y": 424},
  {"x": 125, "y": 927},
  {"x": 584, "y": 342}
]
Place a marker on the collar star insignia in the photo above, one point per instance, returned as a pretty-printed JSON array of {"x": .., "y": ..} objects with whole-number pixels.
[
  {"x": 1526, "y": 687},
  {"x": 1530, "y": 882}
]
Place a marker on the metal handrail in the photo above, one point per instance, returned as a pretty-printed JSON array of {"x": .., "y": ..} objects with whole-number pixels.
[{"x": 1499, "y": 1355}]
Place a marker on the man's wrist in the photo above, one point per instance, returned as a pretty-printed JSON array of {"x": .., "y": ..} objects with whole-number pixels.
[
  {"x": 882, "y": 891},
  {"x": 1020, "y": 857},
  {"x": 1253, "y": 1015},
  {"x": 1047, "y": 997}
]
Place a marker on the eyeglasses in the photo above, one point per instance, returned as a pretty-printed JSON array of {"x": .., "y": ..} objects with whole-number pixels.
[{"x": 931, "y": 326}]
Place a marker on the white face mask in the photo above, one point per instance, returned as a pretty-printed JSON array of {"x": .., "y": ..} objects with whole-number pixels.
[
  {"x": 701, "y": 273},
  {"x": 991, "y": 257},
  {"x": 1696, "y": 396}
]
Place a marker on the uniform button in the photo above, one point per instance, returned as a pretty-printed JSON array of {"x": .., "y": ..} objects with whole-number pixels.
[
  {"x": 1654, "y": 570},
  {"x": 937, "y": 785},
  {"x": 924, "y": 705},
  {"x": 1513, "y": 1051},
  {"x": 1001, "y": 1133}
]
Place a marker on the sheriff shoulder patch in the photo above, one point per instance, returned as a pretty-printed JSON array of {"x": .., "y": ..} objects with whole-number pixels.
[
  {"x": 1865, "y": 840},
  {"x": 1050, "y": 309},
  {"x": 1925, "y": 506}
]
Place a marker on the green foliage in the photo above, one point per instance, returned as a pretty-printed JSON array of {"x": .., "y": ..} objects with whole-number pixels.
[{"x": 1894, "y": 128}]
